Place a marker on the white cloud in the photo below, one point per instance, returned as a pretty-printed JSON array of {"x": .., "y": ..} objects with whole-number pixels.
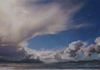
[
  {"x": 76, "y": 50},
  {"x": 97, "y": 41},
  {"x": 20, "y": 21}
]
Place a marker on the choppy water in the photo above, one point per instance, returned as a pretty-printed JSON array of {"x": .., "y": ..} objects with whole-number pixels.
[{"x": 60, "y": 66}]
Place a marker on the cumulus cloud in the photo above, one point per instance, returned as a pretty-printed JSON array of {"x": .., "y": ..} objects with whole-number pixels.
[
  {"x": 71, "y": 52},
  {"x": 92, "y": 49},
  {"x": 97, "y": 41},
  {"x": 76, "y": 51},
  {"x": 88, "y": 51}
]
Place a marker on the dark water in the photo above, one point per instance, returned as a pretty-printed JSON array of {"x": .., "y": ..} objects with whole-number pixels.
[{"x": 53, "y": 66}]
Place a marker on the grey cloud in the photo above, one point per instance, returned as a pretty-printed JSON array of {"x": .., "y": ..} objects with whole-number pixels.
[{"x": 20, "y": 21}]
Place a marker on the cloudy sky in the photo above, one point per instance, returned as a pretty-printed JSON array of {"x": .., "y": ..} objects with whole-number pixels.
[
  {"x": 49, "y": 24},
  {"x": 84, "y": 25}
]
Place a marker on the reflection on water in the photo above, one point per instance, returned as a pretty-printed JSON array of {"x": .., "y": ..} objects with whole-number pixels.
[
  {"x": 65, "y": 66},
  {"x": 44, "y": 69}
]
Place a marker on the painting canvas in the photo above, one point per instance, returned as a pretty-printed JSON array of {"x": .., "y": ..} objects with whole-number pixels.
[{"x": 49, "y": 34}]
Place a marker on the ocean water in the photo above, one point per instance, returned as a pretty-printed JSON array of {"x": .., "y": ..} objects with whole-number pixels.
[{"x": 55, "y": 66}]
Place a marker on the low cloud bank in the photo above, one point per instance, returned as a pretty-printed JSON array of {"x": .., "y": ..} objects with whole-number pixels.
[{"x": 76, "y": 51}]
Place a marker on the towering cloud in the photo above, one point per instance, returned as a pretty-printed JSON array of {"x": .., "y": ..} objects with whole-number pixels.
[
  {"x": 92, "y": 49},
  {"x": 72, "y": 51},
  {"x": 97, "y": 41},
  {"x": 76, "y": 51}
]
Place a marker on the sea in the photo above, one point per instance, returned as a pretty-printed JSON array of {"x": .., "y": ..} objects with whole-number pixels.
[{"x": 55, "y": 66}]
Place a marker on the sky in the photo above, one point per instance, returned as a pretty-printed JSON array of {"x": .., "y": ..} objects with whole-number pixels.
[
  {"x": 88, "y": 19},
  {"x": 71, "y": 27}
]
